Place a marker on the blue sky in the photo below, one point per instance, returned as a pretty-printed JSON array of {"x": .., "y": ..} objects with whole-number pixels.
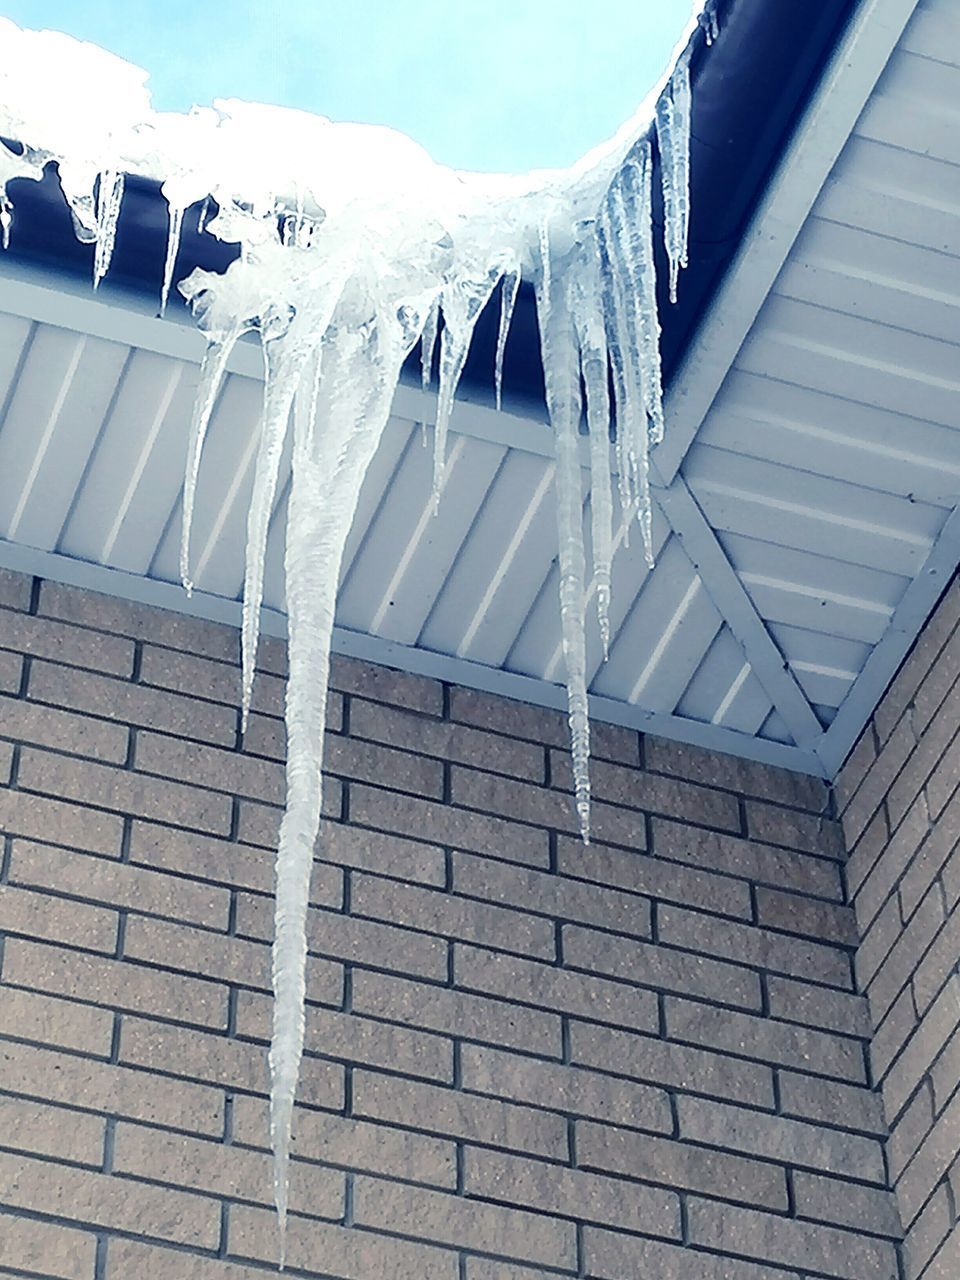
[{"x": 482, "y": 84}]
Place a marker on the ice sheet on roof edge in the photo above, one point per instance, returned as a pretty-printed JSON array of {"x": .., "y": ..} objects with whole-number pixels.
[{"x": 352, "y": 244}]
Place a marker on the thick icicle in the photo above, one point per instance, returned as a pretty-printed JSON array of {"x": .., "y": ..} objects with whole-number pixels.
[
  {"x": 428, "y": 343},
  {"x": 462, "y": 302},
  {"x": 174, "y": 230},
  {"x": 673, "y": 134},
  {"x": 561, "y": 369},
  {"x": 509, "y": 287},
  {"x": 588, "y": 318},
  {"x": 109, "y": 196}
]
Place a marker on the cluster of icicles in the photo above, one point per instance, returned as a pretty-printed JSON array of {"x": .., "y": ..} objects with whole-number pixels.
[{"x": 353, "y": 246}]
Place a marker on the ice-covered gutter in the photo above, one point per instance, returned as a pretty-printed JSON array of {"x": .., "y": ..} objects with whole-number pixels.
[{"x": 354, "y": 246}]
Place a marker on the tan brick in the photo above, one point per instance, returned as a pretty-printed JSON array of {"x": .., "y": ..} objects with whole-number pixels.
[
  {"x": 487, "y": 1269},
  {"x": 28, "y": 1015},
  {"x": 208, "y": 766},
  {"x": 344, "y": 937},
  {"x": 854, "y": 769},
  {"x": 386, "y": 855},
  {"x": 118, "y": 884},
  {"x": 122, "y": 790},
  {"x": 452, "y": 916},
  {"x": 559, "y": 990},
  {"x": 140, "y": 621},
  {"x": 799, "y": 913},
  {"x": 944, "y": 779},
  {"x": 897, "y": 1026},
  {"x": 880, "y": 881},
  {"x": 79, "y": 1194},
  {"x": 442, "y": 824},
  {"x": 763, "y": 947},
  {"x": 50, "y": 1248},
  {"x": 653, "y": 876},
  {"x": 115, "y": 983},
  {"x": 198, "y": 1164},
  {"x": 881, "y": 783},
  {"x": 447, "y": 740},
  {"x": 783, "y": 1043},
  {"x": 11, "y": 670},
  {"x": 131, "y": 703},
  {"x": 116, "y": 1090},
  {"x": 351, "y": 1038},
  {"x": 680, "y": 1165},
  {"x": 354, "y": 1144},
  {"x": 42, "y": 638},
  {"x": 16, "y": 589},
  {"x": 456, "y": 1013},
  {"x": 904, "y": 958},
  {"x": 382, "y": 684},
  {"x": 447, "y": 1219},
  {"x": 908, "y": 1130},
  {"x": 204, "y": 678},
  {"x": 653, "y": 792},
  {"x": 945, "y": 1073},
  {"x": 866, "y": 851},
  {"x": 346, "y": 1254},
  {"x": 40, "y": 818},
  {"x": 869, "y": 1209},
  {"x": 234, "y": 960},
  {"x": 223, "y": 862},
  {"x": 222, "y": 1061},
  {"x": 787, "y": 1242},
  {"x": 742, "y": 777},
  {"x": 614, "y": 1256},
  {"x": 63, "y": 730},
  {"x": 877, "y": 942},
  {"x": 927, "y": 1233},
  {"x": 571, "y": 1193},
  {"x": 40, "y": 915},
  {"x": 671, "y": 1065},
  {"x": 660, "y": 968},
  {"x": 494, "y": 794},
  {"x": 503, "y": 715},
  {"x": 796, "y": 1001},
  {"x": 933, "y": 1159},
  {"x": 260, "y": 823},
  {"x": 41, "y": 1130},
  {"x": 750, "y": 859},
  {"x": 811, "y": 1146},
  {"x": 936, "y": 1028},
  {"x": 552, "y": 895},
  {"x": 939, "y": 844},
  {"x": 572, "y": 1090},
  {"x": 131, "y": 1260},
  {"x": 852, "y": 1107},
  {"x": 451, "y": 1113},
  {"x": 802, "y": 831}
]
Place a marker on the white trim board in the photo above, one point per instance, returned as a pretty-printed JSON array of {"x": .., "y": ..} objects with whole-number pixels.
[{"x": 471, "y": 675}]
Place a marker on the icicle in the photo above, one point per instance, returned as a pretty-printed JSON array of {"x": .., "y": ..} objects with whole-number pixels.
[
  {"x": 588, "y": 318},
  {"x": 509, "y": 288},
  {"x": 637, "y": 180},
  {"x": 462, "y": 304},
  {"x": 673, "y": 133},
  {"x": 108, "y": 213},
  {"x": 6, "y": 218},
  {"x": 175, "y": 227},
  {"x": 561, "y": 367},
  {"x": 211, "y": 375},
  {"x": 428, "y": 343}
]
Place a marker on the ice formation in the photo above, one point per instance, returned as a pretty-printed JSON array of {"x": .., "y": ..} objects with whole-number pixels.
[{"x": 354, "y": 246}]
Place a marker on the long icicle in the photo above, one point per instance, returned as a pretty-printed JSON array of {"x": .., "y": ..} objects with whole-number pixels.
[
  {"x": 174, "y": 229},
  {"x": 561, "y": 366},
  {"x": 509, "y": 288},
  {"x": 330, "y": 461}
]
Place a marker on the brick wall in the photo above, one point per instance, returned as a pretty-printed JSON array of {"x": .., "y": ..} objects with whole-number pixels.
[
  {"x": 524, "y": 1058},
  {"x": 901, "y": 816}
]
